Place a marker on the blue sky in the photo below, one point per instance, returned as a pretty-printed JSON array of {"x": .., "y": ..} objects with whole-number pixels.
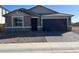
[{"x": 69, "y": 9}]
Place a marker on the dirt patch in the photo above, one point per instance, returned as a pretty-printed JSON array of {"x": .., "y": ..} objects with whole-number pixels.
[
  {"x": 75, "y": 28},
  {"x": 24, "y": 40}
]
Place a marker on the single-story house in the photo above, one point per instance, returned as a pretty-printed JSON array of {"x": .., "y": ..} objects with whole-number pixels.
[{"x": 36, "y": 19}]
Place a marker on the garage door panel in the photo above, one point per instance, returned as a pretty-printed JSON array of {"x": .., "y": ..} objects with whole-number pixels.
[{"x": 54, "y": 24}]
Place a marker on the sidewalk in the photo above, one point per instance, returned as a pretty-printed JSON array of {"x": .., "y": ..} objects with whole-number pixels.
[{"x": 41, "y": 47}]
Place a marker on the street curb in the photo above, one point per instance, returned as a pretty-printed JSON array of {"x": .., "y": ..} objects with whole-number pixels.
[{"x": 51, "y": 46}]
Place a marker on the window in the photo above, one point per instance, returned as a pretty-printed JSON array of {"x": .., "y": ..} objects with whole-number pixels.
[{"x": 17, "y": 21}]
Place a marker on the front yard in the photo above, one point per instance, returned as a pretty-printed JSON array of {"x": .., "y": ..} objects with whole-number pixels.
[{"x": 36, "y": 37}]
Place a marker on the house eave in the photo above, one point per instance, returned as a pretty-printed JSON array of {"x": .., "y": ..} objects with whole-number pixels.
[
  {"x": 59, "y": 14},
  {"x": 20, "y": 11}
]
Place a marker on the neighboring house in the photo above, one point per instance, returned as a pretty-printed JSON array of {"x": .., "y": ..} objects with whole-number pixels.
[
  {"x": 2, "y": 12},
  {"x": 36, "y": 19}
]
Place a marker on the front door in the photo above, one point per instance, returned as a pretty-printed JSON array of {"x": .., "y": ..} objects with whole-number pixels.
[{"x": 34, "y": 24}]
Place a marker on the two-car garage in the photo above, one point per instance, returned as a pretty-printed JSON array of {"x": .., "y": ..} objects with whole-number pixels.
[{"x": 55, "y": 24}]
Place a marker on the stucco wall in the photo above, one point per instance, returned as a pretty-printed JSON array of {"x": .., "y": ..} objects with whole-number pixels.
[
  {"x": 27, "y": 21},
  {"x": 69, "y": 23},
  {"x": 26, "y": 18},
  {"x": 8, "y": 21}
]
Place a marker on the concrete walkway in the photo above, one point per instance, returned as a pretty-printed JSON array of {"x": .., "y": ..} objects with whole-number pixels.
[{"x": 41, "y": 47}]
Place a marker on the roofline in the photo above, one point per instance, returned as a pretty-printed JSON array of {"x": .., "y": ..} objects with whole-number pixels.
[
  {"x": 67, "y": 14},
  {"x": 44, "y": 7},
  {"x": 13, "y": 11},
  {"x": 4, "y": 8},
  {"x": 10, "y": 12},
  {"x": 61, "y": 13},
  {"x": 32, "y": 8}
]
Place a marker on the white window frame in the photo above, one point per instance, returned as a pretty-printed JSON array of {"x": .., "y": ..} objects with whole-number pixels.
[{"x": 22, "y": 21}]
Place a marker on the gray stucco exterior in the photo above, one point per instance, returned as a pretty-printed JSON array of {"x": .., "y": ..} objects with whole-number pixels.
[
  {"x": 8, "y": 21},
  {"x": 27, "y": 19},
  {"x": 69, "y": 28}
]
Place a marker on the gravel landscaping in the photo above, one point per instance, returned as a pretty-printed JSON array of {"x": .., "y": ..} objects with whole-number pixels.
[
  {"x": 29, "y": 37},
  {"x": 21, "y": 37},
  {"x": 66, "y": 37}
]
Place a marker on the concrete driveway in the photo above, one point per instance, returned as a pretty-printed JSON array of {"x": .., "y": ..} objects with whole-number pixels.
[{"x": 35, "y": 37}]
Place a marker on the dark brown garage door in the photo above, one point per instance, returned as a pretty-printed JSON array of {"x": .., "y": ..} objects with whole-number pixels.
[{"x": 54, "y": 24}]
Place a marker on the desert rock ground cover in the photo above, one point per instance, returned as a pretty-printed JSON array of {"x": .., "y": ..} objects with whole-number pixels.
[{"x": 35, "y": 37}]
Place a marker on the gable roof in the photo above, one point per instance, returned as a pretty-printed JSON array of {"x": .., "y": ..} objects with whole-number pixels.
[
  {"x": 24, "y": 11},
  {"x": 45, "y": 8},
  {"x": 30, "y": 12}
]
